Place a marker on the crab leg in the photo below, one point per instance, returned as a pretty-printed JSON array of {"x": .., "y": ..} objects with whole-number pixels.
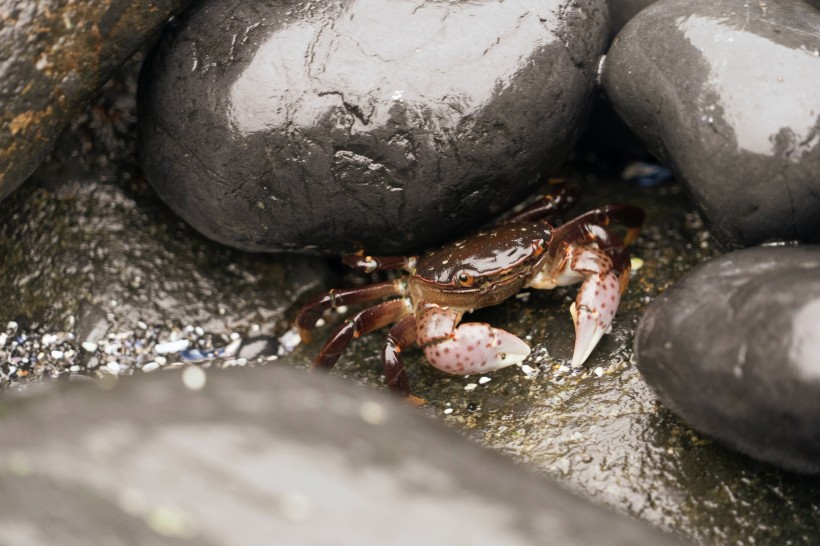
[
  {"x": 313, "y": 309},
  {"x": 401, "y": 336},
  {"x": 363, "y": 322},
  {"x": 630, "y": 216},
  {"x": 369, "y": 264},
  {"x": 469, "y": 348},
  {"x": 546, "y": 207}
]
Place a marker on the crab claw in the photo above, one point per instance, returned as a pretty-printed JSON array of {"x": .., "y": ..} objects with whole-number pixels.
[
  {"x": 592, "y": 313},
  {"x": 477, "y": 348}
]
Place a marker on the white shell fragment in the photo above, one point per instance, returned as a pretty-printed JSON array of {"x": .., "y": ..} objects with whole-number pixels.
[{"x": 171, "y": 346}]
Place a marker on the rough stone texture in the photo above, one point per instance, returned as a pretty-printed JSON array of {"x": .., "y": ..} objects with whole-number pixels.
[
  {"x": 733, "y": 349},
  {"x": 332, "y": 126},
  {"x": 269, "y": 453},
  {"x": 54, "y": 55},
  {"x": 725, "y": 92}
]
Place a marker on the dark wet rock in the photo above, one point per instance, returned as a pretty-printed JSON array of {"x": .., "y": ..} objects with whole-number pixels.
[
  {"x": 268, "y": 453},
  {"x": 54, "y": 55},
  {"x": 329, "y": 126},
  {"x": 733, "y": 349},
  {"x": 725, "y": 92}
]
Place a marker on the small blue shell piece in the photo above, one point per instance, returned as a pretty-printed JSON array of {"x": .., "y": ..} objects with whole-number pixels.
[
  {"x": 646, "y": 175},
  {"x": 196, "y": 355}
]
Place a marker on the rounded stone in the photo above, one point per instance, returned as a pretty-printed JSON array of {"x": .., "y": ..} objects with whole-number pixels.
[
  {"x": 55, "y": 55},
  {"x": 269, "y": 452},
  {"x": 336, "y": 126},
  {"x": 734, "y": 349},
  {"x": 725, "y": 93}
]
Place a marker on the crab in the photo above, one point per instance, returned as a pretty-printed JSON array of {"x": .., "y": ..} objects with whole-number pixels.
[{"x": 425, "y": 306}]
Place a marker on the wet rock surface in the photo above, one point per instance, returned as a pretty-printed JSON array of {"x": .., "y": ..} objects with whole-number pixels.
[
  {"x": 332, "y": 126},
  {"x": 726, "y": 93},
  {"x": 600, "y": 432},
  {"x": 732, "y": 349},
  {"x": 269, "y": 453},
  {"x": 54, "y": 55}
]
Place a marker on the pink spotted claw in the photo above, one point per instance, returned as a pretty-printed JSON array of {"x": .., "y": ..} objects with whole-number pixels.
[
  {"x": 592, "y": 313},
  {"x": 470, "y": 348}
]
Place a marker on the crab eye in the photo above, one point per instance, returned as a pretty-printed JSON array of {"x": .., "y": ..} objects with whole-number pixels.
[
  {"x": 465, "y": 279},
  {"x": 539, "y": 246}
]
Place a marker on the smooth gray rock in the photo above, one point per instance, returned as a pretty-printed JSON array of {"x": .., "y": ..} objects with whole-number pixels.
[
  {"x": 331, "y": 126},
  {"x": 54, "y": 55},
  {"x": 726, "y": 93},
  {"x": 734, "y": 349},
  {"x": 269, "y": 454}
]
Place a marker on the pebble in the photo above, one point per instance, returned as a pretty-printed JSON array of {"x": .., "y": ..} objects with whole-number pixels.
[
  {"x": 725, "y": 93},
  {"x": 23, "y": 360},
  {"x": 56, "y": 54},
  {"x": 171, "y": 346},
  {"x": 733, "y": 349},
  {"x": 309, "y": 115},
  {"x": 260, "y": 346},
  {"x": 150, "y": 366}
]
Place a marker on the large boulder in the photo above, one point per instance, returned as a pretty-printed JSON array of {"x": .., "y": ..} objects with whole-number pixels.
[
  {"x": 335, "y": 126},
  {"x": 268, "y": 455},
  {"x": 725, "y": 92},
  {"x": 733, "y": 349}
]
